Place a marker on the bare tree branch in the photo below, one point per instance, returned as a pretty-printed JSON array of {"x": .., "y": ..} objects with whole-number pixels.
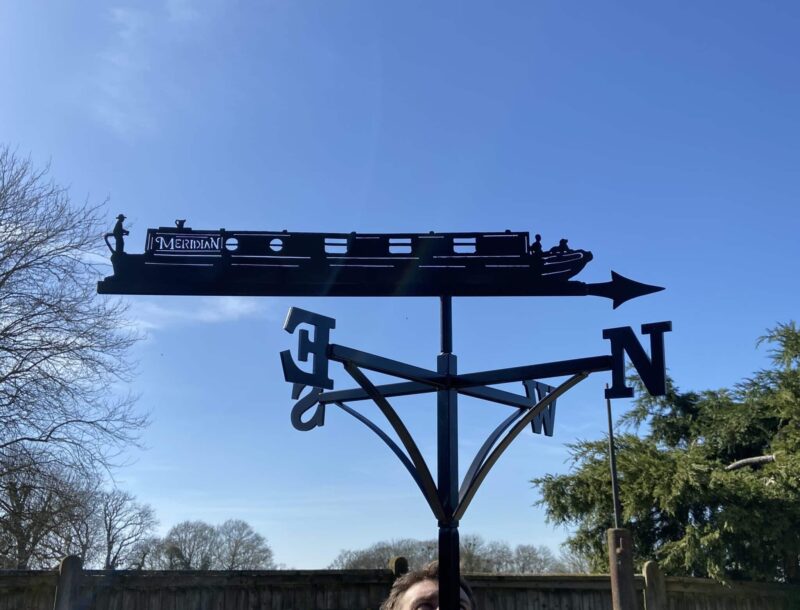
[
  {"x": 125, "y": 524},
  {"x": 63, "y": 349},
  {"x": 751, "y": 461}
]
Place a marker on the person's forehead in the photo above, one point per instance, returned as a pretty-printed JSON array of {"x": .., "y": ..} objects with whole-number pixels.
[{"x": 424, "y": 590}]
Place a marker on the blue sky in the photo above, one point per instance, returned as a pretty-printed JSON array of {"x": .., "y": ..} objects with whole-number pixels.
[{"x": 663, "y": 137}]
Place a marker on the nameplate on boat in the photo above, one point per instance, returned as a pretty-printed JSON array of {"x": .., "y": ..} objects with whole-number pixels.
[{"x": 184, "y": 243}]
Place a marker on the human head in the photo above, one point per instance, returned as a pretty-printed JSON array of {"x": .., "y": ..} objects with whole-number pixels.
[{"x": 411, "y": 591}]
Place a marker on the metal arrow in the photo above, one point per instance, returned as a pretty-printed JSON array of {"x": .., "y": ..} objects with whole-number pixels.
[{"x": 621, "y": 289}]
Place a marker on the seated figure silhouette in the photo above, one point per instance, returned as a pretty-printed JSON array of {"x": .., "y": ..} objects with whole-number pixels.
[
  {"x": 561, "y": 248},
  {"x": 536, "y": 247}
]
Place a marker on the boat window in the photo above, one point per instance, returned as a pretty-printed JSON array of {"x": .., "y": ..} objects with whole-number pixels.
[
  {"x": 335, "y": 245},
  {"x": 502, "y": 244},
  {"x": 276, "y": 244},
  {"x": 232, "y": 244},
  {"x": 399, "y": 245},
  {"x": 464, "y": 245}
]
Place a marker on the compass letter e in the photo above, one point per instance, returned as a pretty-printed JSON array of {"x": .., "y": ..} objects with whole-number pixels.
[
  {"x": 652, "y": 370},
  {"x": 316, "y": 348},
  {"x": 318, "y": 377}
]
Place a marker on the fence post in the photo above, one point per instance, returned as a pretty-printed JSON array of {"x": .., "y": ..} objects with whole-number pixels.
[
  {"x": 68, "y": 589},
  {"x": 620, "y": 560},
  {"x": 398, "y": 566},
  {"x": 655, "y": 590}
]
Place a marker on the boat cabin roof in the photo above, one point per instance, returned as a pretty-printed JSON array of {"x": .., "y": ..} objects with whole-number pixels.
[{"x": 174, "y": 240}]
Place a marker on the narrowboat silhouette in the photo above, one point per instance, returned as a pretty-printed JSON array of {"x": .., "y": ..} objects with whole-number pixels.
[{"x": 180, "y": 260}]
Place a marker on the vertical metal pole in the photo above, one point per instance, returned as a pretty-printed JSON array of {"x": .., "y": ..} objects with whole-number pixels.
[
  {"x": 612, "y": 458},
  {"x": 447, "y": 324},
  {"x": 447, "y": 443},
  {"x": 620, "y": 545}
]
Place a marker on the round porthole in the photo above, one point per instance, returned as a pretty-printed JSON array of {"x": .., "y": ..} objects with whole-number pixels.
[
  {"x": 276, "y": 244},
  {"x": 231, "y": 244}
]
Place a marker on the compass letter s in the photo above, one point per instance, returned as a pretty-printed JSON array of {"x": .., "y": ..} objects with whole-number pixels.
[{"x": 652, "y": 370}]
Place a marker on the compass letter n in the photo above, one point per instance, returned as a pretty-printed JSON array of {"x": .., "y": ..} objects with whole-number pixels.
[{"x": 652, "y": 370}]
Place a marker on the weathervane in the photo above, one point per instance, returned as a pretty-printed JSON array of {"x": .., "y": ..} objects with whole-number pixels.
[{"x": 179, "y": 260}]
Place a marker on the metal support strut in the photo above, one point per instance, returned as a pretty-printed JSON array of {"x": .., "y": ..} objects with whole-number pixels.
[
  {"x": 447, "y": 443},
  {"x": 536, "y": 408}
]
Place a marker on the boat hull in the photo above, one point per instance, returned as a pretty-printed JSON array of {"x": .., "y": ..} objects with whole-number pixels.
[{"x": 139, "y": 274}]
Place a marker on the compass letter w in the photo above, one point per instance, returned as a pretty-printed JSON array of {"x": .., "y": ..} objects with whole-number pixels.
[
  {"x": 652, "y": 370},
  {"x": 546, "y": 420}
]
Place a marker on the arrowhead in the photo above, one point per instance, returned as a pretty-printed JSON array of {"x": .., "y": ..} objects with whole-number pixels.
[
  {"x": 624, "y": 289},
  {"x": 621, "y": 289}
]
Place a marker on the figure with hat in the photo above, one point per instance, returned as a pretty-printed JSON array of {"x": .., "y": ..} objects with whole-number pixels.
[{"x": 119, "y": 234}]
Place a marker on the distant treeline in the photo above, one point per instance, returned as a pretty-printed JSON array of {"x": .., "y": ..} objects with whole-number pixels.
[{"x": 477, "y": 555}]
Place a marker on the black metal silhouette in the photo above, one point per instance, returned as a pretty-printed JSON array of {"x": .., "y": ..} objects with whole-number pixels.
[
  {"x": 447, "y": 500},
  {"x": 536, "y": 246},
  {"x": 118, "y": 233},
  {"x": 180, "y": 260}
]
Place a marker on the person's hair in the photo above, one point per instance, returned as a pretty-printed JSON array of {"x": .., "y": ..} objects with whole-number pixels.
[{"x": 406, "y": 581}]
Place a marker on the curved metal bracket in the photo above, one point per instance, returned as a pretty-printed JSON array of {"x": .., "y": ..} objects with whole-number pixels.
[
  {"x": 470, "y": 486},
  {"x": 419, "y": 469},
  {"x": 386, "y": 439},
  {"x": 486, "y": 448}
]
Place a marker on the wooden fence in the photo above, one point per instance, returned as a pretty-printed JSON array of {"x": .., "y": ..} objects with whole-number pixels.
[
  {"x": 27, "y": 590},
  {"x": 677, "y": 593},
  {"x": 74, "y": 589}
]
